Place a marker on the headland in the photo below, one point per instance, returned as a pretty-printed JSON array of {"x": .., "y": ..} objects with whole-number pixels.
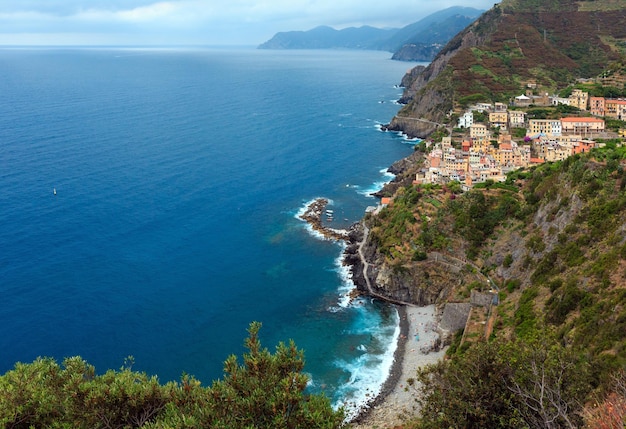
[{"x": 418, "y": 343}]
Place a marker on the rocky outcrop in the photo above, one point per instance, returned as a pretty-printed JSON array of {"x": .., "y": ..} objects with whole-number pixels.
[
  {"x": 411, "y": 75},
  {"x": 412, "y": 127},
  {"x": 404, "y": 171},
  {"x": 431, "y": 281},
  {"x": 313, "y": 216},
  {"x": 420, "y": 284}
]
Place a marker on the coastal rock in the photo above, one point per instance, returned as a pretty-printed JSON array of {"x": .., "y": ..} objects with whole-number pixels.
[
  {"x": 313, "y": 216},
  {"x": 421, "y": 284},
  {"x": 410, "y": 76},
  {"x": 404, "y": 171}
]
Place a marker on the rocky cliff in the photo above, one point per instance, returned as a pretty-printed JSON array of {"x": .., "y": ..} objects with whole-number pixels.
[
  {"x": 429, "y": 92},
  {"x": 433, "y": 280}
]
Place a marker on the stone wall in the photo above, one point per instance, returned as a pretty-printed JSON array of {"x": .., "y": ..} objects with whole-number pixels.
[{"x": 453, "y": 319}]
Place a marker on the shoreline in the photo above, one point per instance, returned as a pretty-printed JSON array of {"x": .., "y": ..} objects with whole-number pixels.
[
  {"x": 396, "y": 401},
  {"x": 418, "y": 343},
  {"x": 395, "y": 373}
]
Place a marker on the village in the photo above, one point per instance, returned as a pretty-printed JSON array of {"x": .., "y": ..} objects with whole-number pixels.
[{"x": 488, "y": 151}]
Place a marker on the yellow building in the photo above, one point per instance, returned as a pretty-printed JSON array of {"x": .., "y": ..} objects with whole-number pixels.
[
  {"x": 479, "y": 131},
  {"x": 549, "y": 127},
  {"x": 579, "y": 99},
  {"x": 499, "y": 119}
]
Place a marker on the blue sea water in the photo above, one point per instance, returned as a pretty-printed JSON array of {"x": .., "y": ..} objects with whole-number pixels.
[{"x": 178, "y": 175}]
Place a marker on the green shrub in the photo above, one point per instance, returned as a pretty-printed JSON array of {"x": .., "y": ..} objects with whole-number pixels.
[
  {"x": 525, "y": 317},
  {"x": 419, "y": 255},
  {"x": 508, "y": 260},
  {"x": 267, "y": 391},
  {"x": 512, "y": 284}
]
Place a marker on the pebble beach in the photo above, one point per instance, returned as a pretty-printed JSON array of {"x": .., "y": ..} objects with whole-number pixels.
[{"x": 397, "y": 400}]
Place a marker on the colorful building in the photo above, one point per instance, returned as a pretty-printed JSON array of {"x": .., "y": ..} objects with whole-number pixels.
[{"x": 583, "y": 126}]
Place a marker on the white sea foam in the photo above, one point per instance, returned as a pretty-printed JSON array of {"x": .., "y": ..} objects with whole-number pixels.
[
  {"x": 368, "y": 372},
  {"x": 347, "y": 285},
  {"x": 302, "y": 210},
  {"x": 385, "y": 172},
  {"x": 406, "y": 138},
  {"x": 378, "y": 185}
]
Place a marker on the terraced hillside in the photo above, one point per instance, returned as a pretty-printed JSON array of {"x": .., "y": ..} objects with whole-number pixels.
[{"x": 547, "y": 44}]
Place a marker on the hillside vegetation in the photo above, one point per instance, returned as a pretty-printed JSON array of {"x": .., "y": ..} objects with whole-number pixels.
[
  {"x": 553, "y": 239},
  {"x": 545, "y": 44}
]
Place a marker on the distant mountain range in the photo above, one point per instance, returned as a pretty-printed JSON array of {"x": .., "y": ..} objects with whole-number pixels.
[{"x": 419, "y": 41}]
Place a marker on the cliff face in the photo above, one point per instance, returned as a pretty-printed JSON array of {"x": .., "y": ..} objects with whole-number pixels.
[
  {"x": 474, "y": 35},
  {"x": 424, "y": 283},
  {"x": 433, "y": 280},
  {"x": 429, "y": 91}
]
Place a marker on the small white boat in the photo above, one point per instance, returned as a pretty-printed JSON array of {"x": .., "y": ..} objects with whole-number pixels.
[{"x": 54, "y": 191}]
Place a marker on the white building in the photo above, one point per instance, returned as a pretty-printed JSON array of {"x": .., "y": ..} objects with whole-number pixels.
[
  {"x": 555, "y": 101},
  {"x": 466, "y": 120},
  {"x": 517, "y": 119},
  {"x": 481, "y": 107}
]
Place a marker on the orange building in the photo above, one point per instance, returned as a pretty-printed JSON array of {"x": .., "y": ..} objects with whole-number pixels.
[
  {"x": 583, "y": 146},
  {"x": 596, "y": 106},
  {"x": 615, "y": 109}
]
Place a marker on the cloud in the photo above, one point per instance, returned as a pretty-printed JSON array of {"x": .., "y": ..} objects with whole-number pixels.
[
  {"x": 206, "y": 21},
  {"x": 148, "y": 13},
  {"x": 68, "y": 7}
]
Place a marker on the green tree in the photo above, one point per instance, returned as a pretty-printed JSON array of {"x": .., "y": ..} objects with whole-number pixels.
[
  {"x": 267, "y": 391},
  {"x": 525, "y": 383}
]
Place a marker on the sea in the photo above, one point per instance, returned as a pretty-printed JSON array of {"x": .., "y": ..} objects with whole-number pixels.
[{"x": 149, "y": 202}]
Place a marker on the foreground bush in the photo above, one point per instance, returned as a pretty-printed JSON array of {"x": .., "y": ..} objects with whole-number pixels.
[{"x": 266, "y": 391}]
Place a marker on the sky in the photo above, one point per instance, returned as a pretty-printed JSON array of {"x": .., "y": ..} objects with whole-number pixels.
[{"x": 198, "y": 22}]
